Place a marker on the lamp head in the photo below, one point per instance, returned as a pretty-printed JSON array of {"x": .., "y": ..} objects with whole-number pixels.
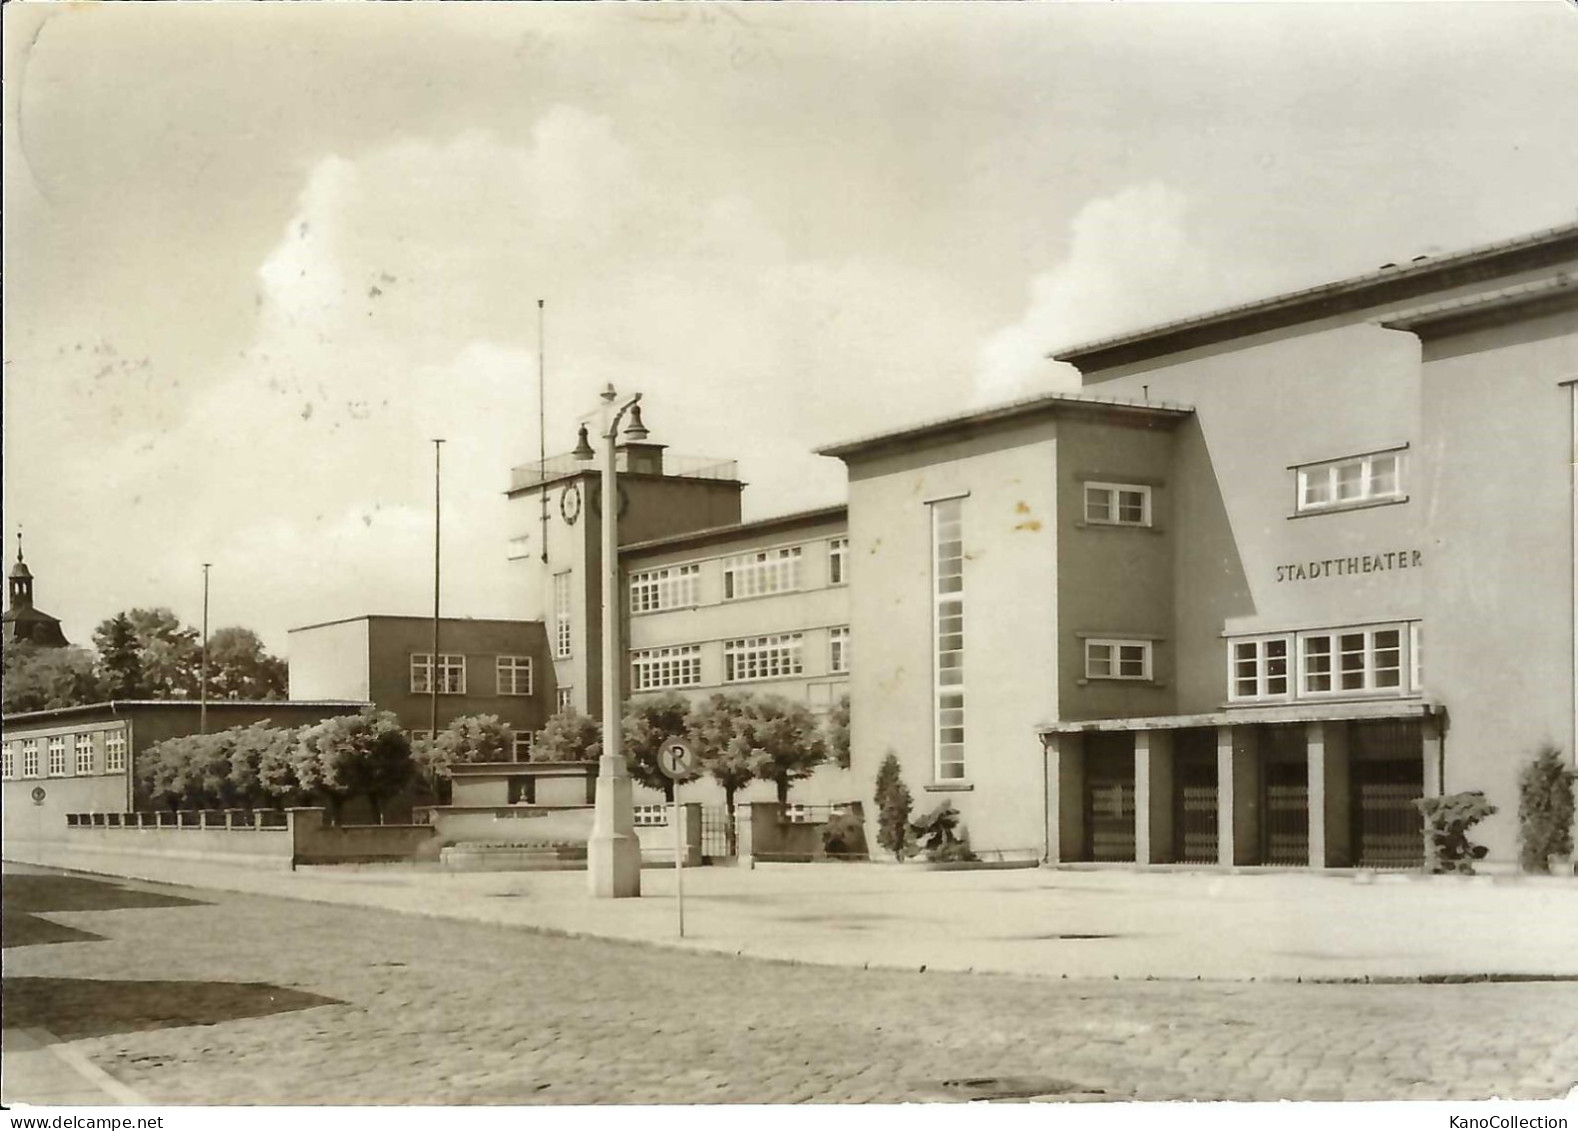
[
  {"x": 636, "y": 431},
  {"x": 583, "y": 447}
]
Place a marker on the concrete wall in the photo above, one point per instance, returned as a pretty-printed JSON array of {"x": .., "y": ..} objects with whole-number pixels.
[
  {"x": 1011, "y": 623},
  {"x": 1114, "y": 581},
  {"x": 1261, "y": 408},
  {"x": 1499, "y": 579},
  {"x": 329, "y": 661}
]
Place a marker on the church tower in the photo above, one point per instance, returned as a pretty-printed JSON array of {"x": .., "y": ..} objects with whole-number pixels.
[{"x": 24, "y": 623}]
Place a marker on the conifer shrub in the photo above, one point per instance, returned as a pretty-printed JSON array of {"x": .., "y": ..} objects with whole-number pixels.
[
  {"x": 1545, "y": 811},
  {"x": 893, "y": 808}
]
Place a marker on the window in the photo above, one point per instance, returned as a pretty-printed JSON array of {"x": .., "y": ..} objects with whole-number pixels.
[
  {"x": 520, "y": 745},
  {"x": 8, "y": 761},
  {"x": 115, "y": 751},
  {"x": 1117, "y": 659},
  {"x": 561, "y": 614},
  {"x": 57, "y": 756},
  {"x": 565, "y": 699},
  {"x": 514, "y": 675},
  {"x": 769, "y": 571},
  {"x": 30, "y": 757},
  {"x": 665, "y": 667},
  {"x": 420, "y": 738},
  {"x": 1371, "y": 660},
  {"x": 947, "y": 540},
  {"x": 1117, "y": 504},
  {"x": 1356, "y": 660},
  {"x": 838, "y": 561},
  {"x": 838, "y": 649},
  {"x": 1260, "y": 668},
  {"x": 762, "y": 657},
  {"x": 676, "y": 587},
  {"x": 84, "y": 750},
  {"x": 649, "y": 816},
  {"x": 1350, "y": 482},
  {"x": 451, "y": 673},
  {"x": 1416, "y": 645}
]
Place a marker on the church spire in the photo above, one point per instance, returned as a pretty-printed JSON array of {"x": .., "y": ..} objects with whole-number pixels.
[{"x": 21, "y": 580}]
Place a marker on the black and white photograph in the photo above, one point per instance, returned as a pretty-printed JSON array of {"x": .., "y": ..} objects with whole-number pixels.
[{"x": 640, "y": 558}]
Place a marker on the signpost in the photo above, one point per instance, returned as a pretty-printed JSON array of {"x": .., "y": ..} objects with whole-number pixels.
[{"x": 678, "y": 761}]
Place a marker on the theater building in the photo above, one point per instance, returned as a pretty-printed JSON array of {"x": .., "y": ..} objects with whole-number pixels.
[{"x": 1268, "y": 577}]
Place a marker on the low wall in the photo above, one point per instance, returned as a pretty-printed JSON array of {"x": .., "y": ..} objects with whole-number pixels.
[
  {"x": 95, "y": 842},
  {"x": 530, "y": 826}
]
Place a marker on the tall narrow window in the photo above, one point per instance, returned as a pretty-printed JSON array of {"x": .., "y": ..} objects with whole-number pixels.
[
  {"x": 30, "y": 757},
  {"x": 838, "y": 561},
  {"x": 84, "y": 752},
  {"x": 57, "y": 756},
  {"x": 9, "y": 770},
  {"x": 520, "y": 745},
  {"x": 561, "y": 614},
  {"x": 838, "y": 649},
  {"x": 564, "y": 700},
  {"x": 947, "y": 539}
]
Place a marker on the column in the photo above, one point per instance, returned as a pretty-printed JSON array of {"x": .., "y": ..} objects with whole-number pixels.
[
  {"x": 1237, "y": 796},
  {"x": 1330, "y": 812},
  {"x": 1065, "y": 801},
  {"x": 1153, "y": 797}
]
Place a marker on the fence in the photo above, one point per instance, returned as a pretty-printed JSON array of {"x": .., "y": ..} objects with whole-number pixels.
[{"x": 269, "y": 838}]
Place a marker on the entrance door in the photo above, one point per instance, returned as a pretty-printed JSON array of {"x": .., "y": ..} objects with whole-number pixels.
[
  {"x": 1194, "y": 802},
  {"x": 1388, "y": 775},
  {"x": 1285, "y": 832},
  {"x": 1109, "y": 797}
]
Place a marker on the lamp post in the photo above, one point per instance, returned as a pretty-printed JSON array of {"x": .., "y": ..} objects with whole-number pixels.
[
  {"x": 202, "y": 679},
  {"x": 613, "y": 855},
  {"x": 432, "y": 670}
]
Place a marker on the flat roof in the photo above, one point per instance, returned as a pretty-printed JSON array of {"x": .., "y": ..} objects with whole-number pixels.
[
  {"x": 413, "y": 616},
  {"x": 1249, "y": 716},
  {"x": 113, "y": 705},
  {"x": 813, "y": 517},
  {"x": 1390, "y": 283},
  {"x": 966, "y": 422}
]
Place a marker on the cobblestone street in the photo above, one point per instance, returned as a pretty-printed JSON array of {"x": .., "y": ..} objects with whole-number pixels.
[{"x": 321, "y": 1004}]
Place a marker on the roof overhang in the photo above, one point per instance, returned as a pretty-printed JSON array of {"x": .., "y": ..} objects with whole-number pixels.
[
  {"x": 964, "y": 425},
  {"x": 1250, "y": 716}
]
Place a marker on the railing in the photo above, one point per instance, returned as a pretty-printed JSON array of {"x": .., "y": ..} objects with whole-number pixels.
[
  {"x": 529, "y": 475},
  {"x": 240, "y": 820}
]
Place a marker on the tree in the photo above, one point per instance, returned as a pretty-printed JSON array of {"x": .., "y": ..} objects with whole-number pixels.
[
  {"x": 893, "y": 808},
  {"x": 650, "y": 723},
  {"x": 239, "y": 668},
  {"x": 470, "y": 738},
  {"x": 568, "y": 736},
  {"x": 785, "y": 742},
  {"x": 120, "y": 659},
  {"x": 345, "y": 756},
  {"x": 170, "y": 773},
  {"x": 719, "y": 731},
  {"x": 169, "y": 653},
  {"x": 43, "y": 679},
  {"x": 257, "y": 753},
  {"x": 838, "y": 733}
]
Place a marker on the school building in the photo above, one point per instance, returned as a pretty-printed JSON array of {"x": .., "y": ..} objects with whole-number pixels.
[{"x": 1268, "y": 577}]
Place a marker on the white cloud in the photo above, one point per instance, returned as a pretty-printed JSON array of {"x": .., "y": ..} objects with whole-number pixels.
[{"x": 1133, "y": 262}]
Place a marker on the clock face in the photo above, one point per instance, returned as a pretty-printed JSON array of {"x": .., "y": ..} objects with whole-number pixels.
[{"x": 570, "y": 503}]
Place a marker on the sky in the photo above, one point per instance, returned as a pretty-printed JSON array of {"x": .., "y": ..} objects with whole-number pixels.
[{"x": 258, "y": 256}]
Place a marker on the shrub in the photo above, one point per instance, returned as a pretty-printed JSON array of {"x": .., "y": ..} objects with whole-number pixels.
[
  {"x": 845, "y": 834},
  {"x": 940, "y": 835},
  {"x": 1545, "y": 811},
  {"x": 893, "y": 808},
  {"x": 1447, "y": 821}
]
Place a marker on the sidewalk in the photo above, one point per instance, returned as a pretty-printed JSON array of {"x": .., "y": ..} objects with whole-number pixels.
[
  {"x": 39, "y": 1069},
  {"x": 1051, "y": 923}
]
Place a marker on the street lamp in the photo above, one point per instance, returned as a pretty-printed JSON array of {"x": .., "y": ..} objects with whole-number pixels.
[{"x": 613, "y": 855}]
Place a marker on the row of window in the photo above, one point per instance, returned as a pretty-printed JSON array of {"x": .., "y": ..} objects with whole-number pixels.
[
  {"x": 61, "y": 751},
  {"x": 756, "y": 574},
  {"x": 513, "y": 674},
  {"x": 1373, "y": 659},
  {"x": 744, "y": 660}
]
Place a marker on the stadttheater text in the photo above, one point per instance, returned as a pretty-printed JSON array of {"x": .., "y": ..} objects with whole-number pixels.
[{"x": 1342, "y": 567}]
